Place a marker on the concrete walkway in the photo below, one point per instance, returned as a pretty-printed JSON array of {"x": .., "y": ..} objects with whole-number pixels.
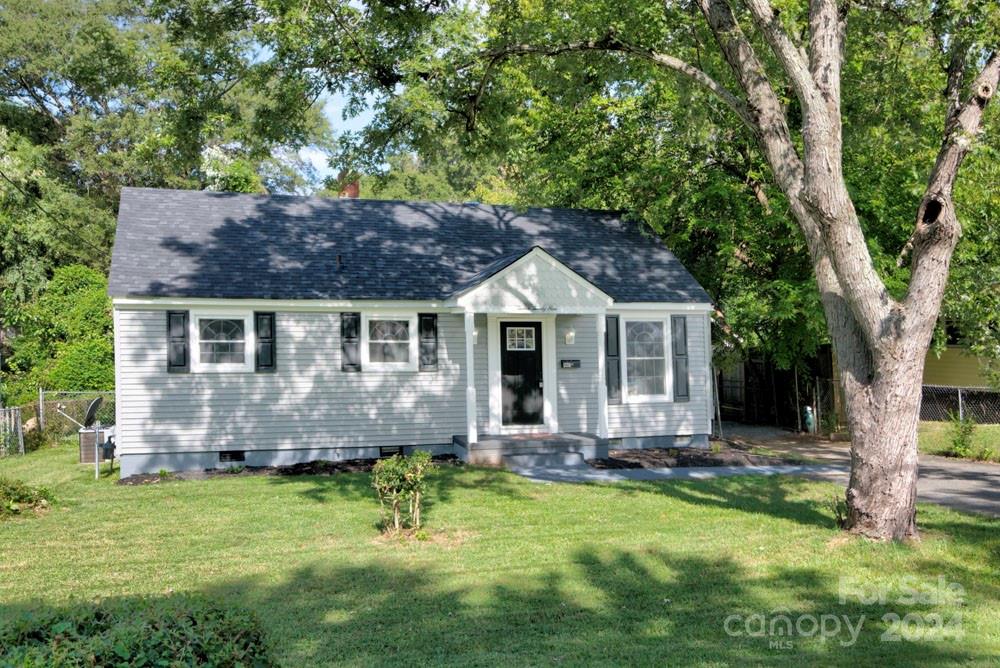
[
  {"x": 956, "y": 483},
  {"x": 588, "y": 474}
]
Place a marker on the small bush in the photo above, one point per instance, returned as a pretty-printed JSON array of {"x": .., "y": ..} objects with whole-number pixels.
[
  {"x": 177, "y": 631},
  {"x": 962, "y": 430},
  {"x": 397, "y": 480},
  {"x": 36, "y": 439},
  {"x": 17, "y": 496}
]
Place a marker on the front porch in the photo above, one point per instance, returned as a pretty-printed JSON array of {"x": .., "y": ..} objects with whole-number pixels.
[{"x": 565, "y": 449}]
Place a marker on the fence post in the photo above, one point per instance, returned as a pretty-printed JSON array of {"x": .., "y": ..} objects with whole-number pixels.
[
  {"x": 961, "y": 408},
  {"x": 41, "y": 409},
  {"x": 20, "y": 433},
  {"x": 819, "y": 402}
]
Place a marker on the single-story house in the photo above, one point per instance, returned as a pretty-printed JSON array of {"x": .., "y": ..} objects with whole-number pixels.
[{"x": 268, "y": 330}]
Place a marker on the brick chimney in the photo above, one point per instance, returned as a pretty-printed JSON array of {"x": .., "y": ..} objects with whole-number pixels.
[{"x": 348, "y": 189}]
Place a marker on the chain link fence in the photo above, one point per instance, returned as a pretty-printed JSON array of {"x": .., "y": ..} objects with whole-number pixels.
[
  {"x": 939, "y": 403},
  {"x": 43, "y": 422}
]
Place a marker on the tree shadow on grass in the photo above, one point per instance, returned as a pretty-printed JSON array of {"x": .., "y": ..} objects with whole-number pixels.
[
  {"x": 764, "y": 495},
  {"x": 605, "y": 606},
  {"x": 442, "y": 482}
]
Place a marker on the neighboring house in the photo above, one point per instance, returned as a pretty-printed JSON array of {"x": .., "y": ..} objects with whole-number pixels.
[
  {"x": 269, "y": 330},
  {"x": 954, "y": 367}
]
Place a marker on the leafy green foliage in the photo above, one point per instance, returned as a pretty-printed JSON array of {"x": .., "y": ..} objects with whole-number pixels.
[
  {"x": 179, "y": 630},
  {"x": 398, "y": 480},
  {"x": 99, "y": 95},
  {"x": 65, "y": 337},
  {"x": 962, "y": 432},
  {"x": 16, "y": 496}
]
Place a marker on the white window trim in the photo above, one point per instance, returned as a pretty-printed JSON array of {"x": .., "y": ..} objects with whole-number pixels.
[
  {"x": 412, "y": 365},
  {"x": 249, "y": 341},
  {"x": 668, "y": 371}
]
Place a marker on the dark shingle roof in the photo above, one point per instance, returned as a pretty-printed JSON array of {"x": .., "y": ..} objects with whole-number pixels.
[{"x": 186, "y": 243}]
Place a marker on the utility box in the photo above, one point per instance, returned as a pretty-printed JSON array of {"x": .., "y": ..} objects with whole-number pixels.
[{"x": 87, "y": 444}]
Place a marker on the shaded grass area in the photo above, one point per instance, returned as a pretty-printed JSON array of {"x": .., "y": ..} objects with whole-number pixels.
[
  {"x": 515, "y": 573},
  {"x": 934, "y": 438}
]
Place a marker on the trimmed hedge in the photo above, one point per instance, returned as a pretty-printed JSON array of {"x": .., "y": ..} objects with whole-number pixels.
[{"x": 174, "y": 631}]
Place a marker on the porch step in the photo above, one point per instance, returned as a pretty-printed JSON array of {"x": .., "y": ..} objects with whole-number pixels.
[{"x": 567, "y": 450}]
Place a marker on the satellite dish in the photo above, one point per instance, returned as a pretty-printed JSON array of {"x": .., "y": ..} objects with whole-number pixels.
[{"x": 92, "y": 411}]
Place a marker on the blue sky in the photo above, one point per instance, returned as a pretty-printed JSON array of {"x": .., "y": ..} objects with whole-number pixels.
[{"x": 333, "y": 109}]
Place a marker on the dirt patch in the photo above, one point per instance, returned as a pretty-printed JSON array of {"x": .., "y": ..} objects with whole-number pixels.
[
  {"x": 416, "y": 536},
  {"x": 720, "y": 454},
  {"x": 318, "y": 467}
]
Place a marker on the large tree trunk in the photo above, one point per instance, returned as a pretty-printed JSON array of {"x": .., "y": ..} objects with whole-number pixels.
[{"x": 882, "y": 489}]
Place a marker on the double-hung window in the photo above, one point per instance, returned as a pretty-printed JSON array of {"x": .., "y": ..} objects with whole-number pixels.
[
  {"x": 390, "y": 342},
  {"x": 223, "y": 342},
  {"x": 646, "y": 367}
]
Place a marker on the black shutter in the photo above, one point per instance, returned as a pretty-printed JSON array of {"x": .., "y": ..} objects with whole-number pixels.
[
  {"x": 612, "y": 362},
  {"x": 350, "y": 342},
  {"x": 678, "y": 326},
  {"x": 266, "y": 358},
  {"x": 178, "y": 355},
  {"x": 428, "y": 326}
]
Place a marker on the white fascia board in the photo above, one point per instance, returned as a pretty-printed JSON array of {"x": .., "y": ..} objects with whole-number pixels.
[
  {"x": 659, "y": 307},
  {"x": 148, "y": 303}
]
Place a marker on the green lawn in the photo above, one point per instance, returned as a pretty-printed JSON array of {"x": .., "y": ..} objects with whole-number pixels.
[
  {"x": 516, "y": 573},
  {"x": 935, "y": 438}
]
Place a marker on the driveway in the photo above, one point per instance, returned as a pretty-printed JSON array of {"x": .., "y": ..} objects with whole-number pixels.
[{"x": 956, "y": 483}]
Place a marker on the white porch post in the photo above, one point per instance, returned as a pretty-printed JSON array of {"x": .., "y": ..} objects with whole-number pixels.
[
  {"x": 470, "y": 380},
  {"x": 602, "y": 385}
]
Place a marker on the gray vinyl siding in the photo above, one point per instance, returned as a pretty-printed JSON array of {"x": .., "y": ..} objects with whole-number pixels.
[
  {"x": 671, "y": 419},
  {"x": 307, "y": 403},
  {"x": 577, "y": 402}
]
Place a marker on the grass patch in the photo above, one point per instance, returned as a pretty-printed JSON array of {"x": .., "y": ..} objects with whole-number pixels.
[
  {"x": 520, "y": 573},
  {"x": 934, "y": 438}
]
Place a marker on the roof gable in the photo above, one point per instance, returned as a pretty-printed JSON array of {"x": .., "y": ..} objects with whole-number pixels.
[
  {"x": 533, "y": 282},
  {"x": 197, "y": 244}
]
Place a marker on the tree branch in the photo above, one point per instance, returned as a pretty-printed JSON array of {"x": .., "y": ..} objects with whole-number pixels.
[
  {"x": 793, "y": 60},
  {"x": 937, "y": 228},
  {"x": 611, "y": 43}
]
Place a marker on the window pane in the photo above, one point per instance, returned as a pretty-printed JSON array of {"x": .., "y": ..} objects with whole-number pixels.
[
  {"x": 388, "y": 330},
  {"x": 520, "y": 338},
  {"x": 645, "y": 358},
  {"x": 221, "y": 341},
  {"x": 388, "y": 353}
]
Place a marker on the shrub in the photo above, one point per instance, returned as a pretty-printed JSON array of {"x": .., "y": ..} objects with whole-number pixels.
[
  {"x": 179, "y": 630},
  {"x": 17, "y": 496},
  {"x": 961, "y": 432},
  {"x": 398, "y": 479}
]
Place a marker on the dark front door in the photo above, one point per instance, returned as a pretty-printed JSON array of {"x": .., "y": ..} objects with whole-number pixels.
[{"x": 521, "y": 372}]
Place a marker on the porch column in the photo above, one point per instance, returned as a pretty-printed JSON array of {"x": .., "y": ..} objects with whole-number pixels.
[
  {"x": 470, "y": 379},
  {"x": 602, "y": 383}
]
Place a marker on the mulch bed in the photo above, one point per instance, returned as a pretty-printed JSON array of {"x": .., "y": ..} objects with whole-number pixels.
[
  {"x": 318, "y": 467},
  {"x": 729, "y": 454}
]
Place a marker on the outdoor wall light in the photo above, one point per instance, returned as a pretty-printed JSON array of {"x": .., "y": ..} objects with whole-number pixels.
[
  {"x": 570, "y": 337},
  {"x": 475, "y": 336}
]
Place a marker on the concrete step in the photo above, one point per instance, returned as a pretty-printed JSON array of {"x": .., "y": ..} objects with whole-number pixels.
[{"x": 554, "y": 460}]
